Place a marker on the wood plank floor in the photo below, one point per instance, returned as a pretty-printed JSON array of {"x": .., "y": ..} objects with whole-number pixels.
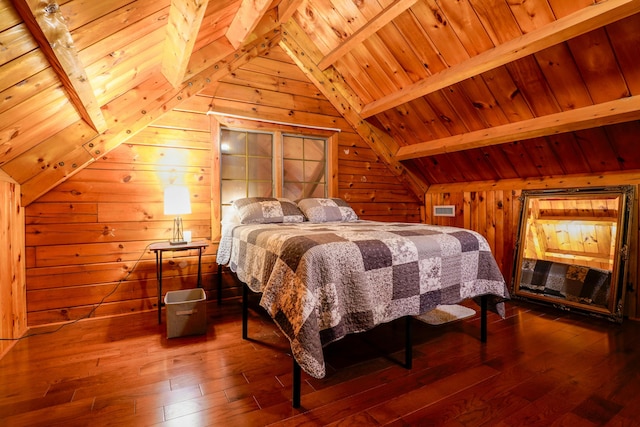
[{"x": 540, "y": 367}]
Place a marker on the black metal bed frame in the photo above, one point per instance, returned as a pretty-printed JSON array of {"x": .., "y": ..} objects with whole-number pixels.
[{"x": 408, "y": 344}]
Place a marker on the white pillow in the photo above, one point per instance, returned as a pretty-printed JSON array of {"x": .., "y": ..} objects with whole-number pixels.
[
  {"x": 327, "y": 210},
  {"x": 264, "y": 210}
]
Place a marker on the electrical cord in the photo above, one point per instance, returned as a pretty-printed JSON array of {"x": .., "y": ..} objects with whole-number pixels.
[{"x": 91, "y": 312}]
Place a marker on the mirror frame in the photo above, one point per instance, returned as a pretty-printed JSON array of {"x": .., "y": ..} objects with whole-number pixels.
[{"x": 615, "y": 308}]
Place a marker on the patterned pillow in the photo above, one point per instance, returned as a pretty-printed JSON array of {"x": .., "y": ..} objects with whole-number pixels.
[
  {"x": 263, "y": 210},
  {"x": 327, "y": 210}
]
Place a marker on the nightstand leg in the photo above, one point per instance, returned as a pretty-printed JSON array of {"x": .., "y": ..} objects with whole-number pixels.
[
  {"x": 159, "y": 276},
  {"x": 199, "y": 267}
]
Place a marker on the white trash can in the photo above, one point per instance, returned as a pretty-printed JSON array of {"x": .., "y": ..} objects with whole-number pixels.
[{"x": 186, "y": 312}]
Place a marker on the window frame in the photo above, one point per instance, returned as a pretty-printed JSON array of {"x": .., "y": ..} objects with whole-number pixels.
[
  {"x": 305, "y": 161},
  {"x": 219, "y": 122},
  {"x": 247, "y": 157}
]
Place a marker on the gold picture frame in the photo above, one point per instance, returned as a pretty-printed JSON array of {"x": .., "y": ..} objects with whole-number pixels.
[{"x": 572, "y": 249}]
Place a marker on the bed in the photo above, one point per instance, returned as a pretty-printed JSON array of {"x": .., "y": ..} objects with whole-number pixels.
[{"x": 325, "y": 275}]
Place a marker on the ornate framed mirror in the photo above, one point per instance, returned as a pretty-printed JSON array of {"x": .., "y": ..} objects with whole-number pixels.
[{"x": 572, "y": 249}]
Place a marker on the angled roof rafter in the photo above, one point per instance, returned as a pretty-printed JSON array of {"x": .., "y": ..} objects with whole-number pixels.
[
  {"x": 47, "y": 25},
  {"x": 246, "y": 20},
  {"x": 568, "y": 27},
  {"x": 170, "y": 99},
  {"x": 287, "y": 8},
  {"x": 380, "y": 20},
  {"x": 607, "y": 113},
  {"x": 185, "y": 18},
  {"x": 303, "y": 53},
  {"x": 123, "y": 128}
]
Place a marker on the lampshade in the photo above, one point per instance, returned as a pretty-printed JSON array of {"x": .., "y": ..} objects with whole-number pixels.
[{"x": 176, "y": 200}]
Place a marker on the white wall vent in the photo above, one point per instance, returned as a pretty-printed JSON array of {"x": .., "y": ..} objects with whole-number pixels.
[{"x": 444, "y": 210}]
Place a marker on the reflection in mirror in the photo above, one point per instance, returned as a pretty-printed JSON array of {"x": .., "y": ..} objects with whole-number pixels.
[{"x": 572, "y": 249}]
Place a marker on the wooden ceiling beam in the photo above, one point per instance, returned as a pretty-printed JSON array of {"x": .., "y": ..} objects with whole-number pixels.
[
  {"x": 185, "y": 18},
  {"x": 606, "y": 113},
  {"x": 47, "y": 25},
  {"x": 581, "y": 22},
  {"x": 287, "y": 8},
  {"x": 157, "y": 98},
  {"x": 602, "y": 179},
  {"x": 302, "y": 51},
  {"x": 246, "y": 19},
  {"x": 387, "y": 15},
  {"x": 125, "y": 128}
]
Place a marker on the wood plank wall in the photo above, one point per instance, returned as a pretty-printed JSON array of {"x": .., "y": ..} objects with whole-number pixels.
[
  {"x": 13, "y": 314},
  {"x": 272, "y": 87},
  {"x": 493, "y": 209},
  {"x": 87, "y": 234},
  {"x": 87, "y": 238}
]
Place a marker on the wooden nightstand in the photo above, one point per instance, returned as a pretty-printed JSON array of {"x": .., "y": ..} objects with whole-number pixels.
[{"x": 161, "y": 247}]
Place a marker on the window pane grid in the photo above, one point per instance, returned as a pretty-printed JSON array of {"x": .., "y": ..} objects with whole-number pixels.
[
  {"x": 247, "y": 166},
  {"x": 304, "y": 166}
]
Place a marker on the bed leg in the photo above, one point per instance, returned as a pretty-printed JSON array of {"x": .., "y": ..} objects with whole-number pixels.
[
  {"x": 408, "y": 344},
  {"x": 295, "y": 394},
  {"x": 483, "y": 318},
  {"x": 245, "y": 311}
]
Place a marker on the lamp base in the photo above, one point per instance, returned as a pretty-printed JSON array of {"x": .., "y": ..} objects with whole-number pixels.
[{"x": 178, "y": 235}]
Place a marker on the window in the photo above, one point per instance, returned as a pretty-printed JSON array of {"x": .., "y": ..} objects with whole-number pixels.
[
  {"x": 246, "y": 164},
  {"x": 303, "y": 167},
  {"x": 260, "y": 164}
]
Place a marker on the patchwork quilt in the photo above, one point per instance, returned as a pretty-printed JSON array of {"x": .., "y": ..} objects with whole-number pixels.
[
  {"x": 572, "y": 282},
  {"x": 321, "y": 281}
]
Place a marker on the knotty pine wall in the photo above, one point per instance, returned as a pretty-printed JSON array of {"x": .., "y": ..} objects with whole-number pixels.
[
  {"x": 273, "y": 88},
  {"x": 493, "y": 209},
  {"x": 87, "y": 234},
  {"x": 13, "y": 315},
  {"x": 92, "y": 231}
]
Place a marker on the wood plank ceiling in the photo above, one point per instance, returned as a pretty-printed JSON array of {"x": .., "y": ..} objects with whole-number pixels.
[{"x": 444, "y": 91}]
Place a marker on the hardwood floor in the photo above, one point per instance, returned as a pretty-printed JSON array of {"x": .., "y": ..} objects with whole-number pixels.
[{"x": 540, "y": 367}]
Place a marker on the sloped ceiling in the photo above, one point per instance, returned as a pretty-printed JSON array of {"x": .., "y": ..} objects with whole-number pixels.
[{"x": 444, "y": 91}]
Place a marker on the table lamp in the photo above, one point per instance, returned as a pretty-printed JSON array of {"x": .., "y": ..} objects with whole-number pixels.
[{"x": 177, "y": 202}]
